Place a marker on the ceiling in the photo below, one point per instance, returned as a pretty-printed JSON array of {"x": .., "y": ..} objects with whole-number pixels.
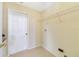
[{"x": 39, "y": 6}]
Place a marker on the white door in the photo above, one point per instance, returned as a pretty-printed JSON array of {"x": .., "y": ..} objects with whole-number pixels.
[{"x": 17, "y": 32}]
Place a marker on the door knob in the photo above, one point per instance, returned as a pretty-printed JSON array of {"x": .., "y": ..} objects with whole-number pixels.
[{"x": 26, "y": 33}]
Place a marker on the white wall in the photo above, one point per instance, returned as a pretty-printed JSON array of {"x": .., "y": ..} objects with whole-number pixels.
[
  {"x": 32, "y": 32},
  {"x": 50, "y": 36},
  {"x": 63, "y": 32}
]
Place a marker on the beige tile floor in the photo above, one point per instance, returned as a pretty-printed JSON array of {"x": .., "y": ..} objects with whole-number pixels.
[{"x": 35, "y": 52}]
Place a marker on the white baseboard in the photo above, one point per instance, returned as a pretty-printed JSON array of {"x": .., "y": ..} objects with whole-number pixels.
[{"x": 50, "y": 51}]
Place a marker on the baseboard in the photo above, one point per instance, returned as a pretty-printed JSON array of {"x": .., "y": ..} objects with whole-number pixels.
[
  {"x": 35, "y": 46},
  {"x": 50, "y": 51}
]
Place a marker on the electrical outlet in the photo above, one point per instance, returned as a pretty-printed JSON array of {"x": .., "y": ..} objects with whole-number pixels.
[
  {"x": 61, "y": 50},
  {"x": 65, "y": 55}
]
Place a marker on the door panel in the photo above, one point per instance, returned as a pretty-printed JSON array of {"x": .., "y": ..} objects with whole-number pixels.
[{"x": 17, "y": 29}]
